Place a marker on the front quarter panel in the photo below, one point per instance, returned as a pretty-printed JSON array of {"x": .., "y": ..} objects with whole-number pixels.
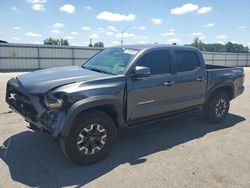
[
  {"x": 89, "y": 103},
  {"x": 91, "y": 95}
]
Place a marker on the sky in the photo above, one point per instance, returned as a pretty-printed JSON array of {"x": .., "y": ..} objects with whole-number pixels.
[{"x": 147, "y": 21}]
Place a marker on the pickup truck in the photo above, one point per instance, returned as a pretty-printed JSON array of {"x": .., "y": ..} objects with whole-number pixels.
[{"x": 83, "y": 106}]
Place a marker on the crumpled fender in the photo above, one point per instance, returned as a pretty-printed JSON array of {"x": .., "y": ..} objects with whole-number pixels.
[{"x": 86, "y": 104}]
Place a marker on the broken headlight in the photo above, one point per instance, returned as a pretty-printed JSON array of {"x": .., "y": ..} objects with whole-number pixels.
[{"x": 53, "y": 101}]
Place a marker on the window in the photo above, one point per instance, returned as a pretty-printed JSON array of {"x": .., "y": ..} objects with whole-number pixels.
[
  {"x": 157, "y": 61},
  {"x": 186, "y": 61}
]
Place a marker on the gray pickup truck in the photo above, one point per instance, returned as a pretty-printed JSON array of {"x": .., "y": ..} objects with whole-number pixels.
[{"x": 121, "y": 86}]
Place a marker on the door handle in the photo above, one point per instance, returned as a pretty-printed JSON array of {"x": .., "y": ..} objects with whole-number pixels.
[
  {"x": 170, "y": 83},
  {"x": 200, "y": 79}
]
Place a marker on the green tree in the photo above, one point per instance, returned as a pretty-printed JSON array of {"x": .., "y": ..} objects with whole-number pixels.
[
  {"x": 198, "y": 44},
  {"x": 230, "y": 47},
  {"x": 216, "y": 47},
  {"x": 3, "y": 41},
  {"x": 52, "y": 41},
  {"x": 99, "y": 44}
]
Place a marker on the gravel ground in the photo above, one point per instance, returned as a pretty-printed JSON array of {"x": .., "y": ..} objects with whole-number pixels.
[{"x": 177, "y": 153}]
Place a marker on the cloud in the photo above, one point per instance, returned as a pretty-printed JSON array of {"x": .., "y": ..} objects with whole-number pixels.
[
  {"x": 74, "y": 33},
  {"x": 68, "y": 8},
  {"x": 201, "y": 37},
  {"x": 37, "y": 1},
  {"x": 168, "y": 34},
  {"x": 86, "y": 28},
  {"x": 31, "y": 34},
  {"x": 185, "y": 9},
  {"x": 109, "y": 33},
  {"x": 196, "y": 34},
  {"x": 172, "y": 30},
  {"x": 174, "y": 40},
  {"x": 116, "y": 42},
  {"x": 204, "y": 10},
  {"x": 142, "y": 42},
  {"x": 115, "y": 17},
  {"x": 101, "y": 29},
  {"x": 156, "y": 21},
  {"x": 125, "y": 35},
  {"x": 56, "y": 31},
  {"x": 16, "y": 28},
  {"x": 38, "y": 7},
  {"x": 15, "y": 38},
  {"x": 221, "y": 42},
  {"x": 242, "y": 27},
  {"x": 210, "y": 25},
  {"x": 57, "y": 25},
  {"x": 221, "y": 37},
  {"x": 88, "y": 8},
  {"x": 141, "y": 37},
  {"x": 94, "y": 36},
  {"x": 111, "y": 28},
  {"x": 141, "y": 27},
  {"x": 248, "y": 44},
  {"x": 14, "y": 9},
  {"x": 69, "y": 38}
]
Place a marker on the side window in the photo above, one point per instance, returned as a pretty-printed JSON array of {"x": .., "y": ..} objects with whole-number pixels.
[
  {"x": 157, "y": 61},
  {"x": 186, "y": 61}
]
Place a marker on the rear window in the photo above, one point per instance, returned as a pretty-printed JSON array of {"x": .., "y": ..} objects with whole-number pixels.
[{"x": 186, "y": 61}]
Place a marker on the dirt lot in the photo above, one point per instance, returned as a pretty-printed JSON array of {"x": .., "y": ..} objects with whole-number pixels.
[{"x": 179, "y": 153}]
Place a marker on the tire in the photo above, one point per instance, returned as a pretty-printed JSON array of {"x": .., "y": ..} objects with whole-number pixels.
[
  {"x": 216, "y": 108},
  {"x": 86, "y": 143}
]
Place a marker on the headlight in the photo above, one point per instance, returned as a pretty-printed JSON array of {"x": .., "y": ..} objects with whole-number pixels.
[{"x": 52, "y": 102}]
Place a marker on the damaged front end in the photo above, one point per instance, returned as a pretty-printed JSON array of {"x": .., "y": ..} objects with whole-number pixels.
[{"x": 44, "y": 112}]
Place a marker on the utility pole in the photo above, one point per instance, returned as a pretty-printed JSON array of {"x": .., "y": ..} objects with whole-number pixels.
[
  {"x": 90, "y": 42},
  {"x": 123, "y": 33}
]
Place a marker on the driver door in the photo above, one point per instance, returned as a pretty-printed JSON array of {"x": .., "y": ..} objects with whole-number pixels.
[{"x": 153, "y": 95}]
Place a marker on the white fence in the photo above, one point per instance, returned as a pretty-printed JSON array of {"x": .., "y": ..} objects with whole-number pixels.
[{"x": 24, "y": 57}]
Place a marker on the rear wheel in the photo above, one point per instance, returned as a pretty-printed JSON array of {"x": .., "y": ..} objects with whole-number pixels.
[
  {"x": 91, "y": 138},
  {"x": 216, "y": 108}
]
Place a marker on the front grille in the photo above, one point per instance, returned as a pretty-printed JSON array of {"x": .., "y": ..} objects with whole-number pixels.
[{"x": 20, "y": 102}]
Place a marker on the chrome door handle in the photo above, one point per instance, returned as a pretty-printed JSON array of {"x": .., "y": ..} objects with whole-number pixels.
[
  {"x": 170, "y": 83},
  {"x": 200, "y": 79}
]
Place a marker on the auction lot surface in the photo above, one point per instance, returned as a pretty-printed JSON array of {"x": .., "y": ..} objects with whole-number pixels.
[{"x": 179, "y": 153}]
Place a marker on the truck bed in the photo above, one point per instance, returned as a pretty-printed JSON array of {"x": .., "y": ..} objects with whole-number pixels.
[
  {"x": 209, "y": 67},
  {"x": 223, "y": 74}
]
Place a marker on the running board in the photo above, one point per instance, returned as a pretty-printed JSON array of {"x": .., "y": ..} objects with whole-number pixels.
[{"x": 187, "y": 114}]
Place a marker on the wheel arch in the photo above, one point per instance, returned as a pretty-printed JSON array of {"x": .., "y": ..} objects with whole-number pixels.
[
  {"x": 227, "y": 88},
  {"x": 109, "y": 105}
]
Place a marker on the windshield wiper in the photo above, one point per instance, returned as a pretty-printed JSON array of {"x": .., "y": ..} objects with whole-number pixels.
[{"x": 97, "y": 70}]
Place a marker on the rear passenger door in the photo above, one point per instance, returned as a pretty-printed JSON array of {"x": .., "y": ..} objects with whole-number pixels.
[
  {"x": 190, "y": 83},
  {"x": 153, "y": 95}
]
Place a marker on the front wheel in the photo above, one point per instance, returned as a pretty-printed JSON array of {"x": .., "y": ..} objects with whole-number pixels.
[
  {"x": 216, "y": 108},
  {"x": 91, "y": 138}
]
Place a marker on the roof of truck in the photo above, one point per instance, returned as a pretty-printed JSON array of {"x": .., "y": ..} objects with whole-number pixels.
[{"x": 151, "y": 46}]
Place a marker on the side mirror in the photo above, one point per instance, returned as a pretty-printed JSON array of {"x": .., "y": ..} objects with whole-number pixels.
[{"x": 141, "y": 72}]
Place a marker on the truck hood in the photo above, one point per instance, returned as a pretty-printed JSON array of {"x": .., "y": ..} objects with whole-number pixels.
[{"x": 42, "y": 81}]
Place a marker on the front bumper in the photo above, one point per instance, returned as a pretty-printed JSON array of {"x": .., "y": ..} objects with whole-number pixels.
[
  {"x": 19, "y": 101},
  {"x": 26, "y": 105}
]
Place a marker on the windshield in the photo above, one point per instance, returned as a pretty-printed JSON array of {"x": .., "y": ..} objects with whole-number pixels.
[{"x": 111, "y": 60}]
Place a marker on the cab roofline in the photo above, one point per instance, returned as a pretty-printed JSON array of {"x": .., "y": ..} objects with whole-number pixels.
[{"x": 140, "y": 47}]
